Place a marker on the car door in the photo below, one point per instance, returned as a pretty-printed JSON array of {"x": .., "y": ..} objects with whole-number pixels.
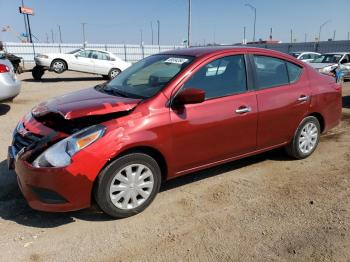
[
  {"x": 83, "y": 62},
  {"x": 221, "y": 127},
  {"x": 283, "y": 97},
  {"x": 103, "y": 63}
]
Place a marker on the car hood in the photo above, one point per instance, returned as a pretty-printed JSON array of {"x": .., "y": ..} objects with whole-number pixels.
[
  {"x": 320, "y": 65},
  {"x": 84, "y": 103}
]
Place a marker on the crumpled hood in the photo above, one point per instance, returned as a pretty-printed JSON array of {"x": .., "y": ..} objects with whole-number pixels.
[{"x": 87, "y": 102}]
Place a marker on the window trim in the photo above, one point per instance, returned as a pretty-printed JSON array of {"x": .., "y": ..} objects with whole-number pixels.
[{"x": 248, "y": 73}]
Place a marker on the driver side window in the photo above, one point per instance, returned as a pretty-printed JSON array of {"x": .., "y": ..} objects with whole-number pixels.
[{"x": 221, "y": 77}]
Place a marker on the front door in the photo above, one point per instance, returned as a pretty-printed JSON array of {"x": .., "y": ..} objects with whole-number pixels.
[{"x": 221, "y": 127}]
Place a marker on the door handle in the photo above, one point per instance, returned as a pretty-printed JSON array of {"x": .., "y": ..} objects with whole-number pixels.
[
  {"x": 303, "y": 98},
  {"x": 242, "y": 110}
]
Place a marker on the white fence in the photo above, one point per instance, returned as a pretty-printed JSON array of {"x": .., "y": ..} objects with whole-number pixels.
[{"x": 130, "y": 53}]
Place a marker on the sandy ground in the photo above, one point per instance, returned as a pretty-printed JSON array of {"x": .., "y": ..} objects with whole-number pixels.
[{"x": 263, "y": 208}]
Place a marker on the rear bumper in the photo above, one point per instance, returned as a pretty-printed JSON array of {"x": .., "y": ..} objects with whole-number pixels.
[
  {"x": 45, "y": 62},
  {"x": 53, "y": 189},
  {"x": 9, "y": 87}
]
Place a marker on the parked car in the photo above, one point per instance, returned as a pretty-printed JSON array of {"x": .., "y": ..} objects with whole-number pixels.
[
  {"x": 305, "y": 56},
  {"x": 329, "y": 62},
  {"x": 166, "y": 116},
  {"x": 83, "y": 60},
  {"x": 10, "y": 86}
]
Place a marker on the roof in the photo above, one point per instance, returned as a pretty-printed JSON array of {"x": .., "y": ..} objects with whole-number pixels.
[{"x": 199, "y": 51}]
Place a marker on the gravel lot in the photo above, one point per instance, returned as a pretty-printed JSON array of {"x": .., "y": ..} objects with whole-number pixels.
[{"x": 263, "y": 208}]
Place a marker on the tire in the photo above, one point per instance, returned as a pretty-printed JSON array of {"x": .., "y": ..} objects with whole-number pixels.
[
  {"x": 38, "y": 72},
  {"x": 306, "y": 138},
  {"x": 113, "y": 73},
  {"x": 58, "y": 66},
  {"x": 119, "y": 196}
]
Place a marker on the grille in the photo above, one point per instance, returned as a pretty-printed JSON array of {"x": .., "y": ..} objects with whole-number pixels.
[{"x": 20, "y": 141}]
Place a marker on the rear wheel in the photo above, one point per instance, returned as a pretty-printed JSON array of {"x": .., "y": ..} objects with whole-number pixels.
[
  {"x": 58, "y": 66},
  {"x": 128, "y": 185},
  {"x": 113, "y": 73},
  {"x": 306, "y": 138},
  {"x": 38, "y": 72}
]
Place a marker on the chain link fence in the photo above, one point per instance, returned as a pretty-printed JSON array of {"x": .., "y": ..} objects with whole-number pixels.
[{"x": 127, "y": 52}]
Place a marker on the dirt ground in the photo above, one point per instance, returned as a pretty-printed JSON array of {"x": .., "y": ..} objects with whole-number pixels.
[{"x": 263, "y": 208}]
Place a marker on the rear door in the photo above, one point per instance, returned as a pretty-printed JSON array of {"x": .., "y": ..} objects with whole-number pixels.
[
  {"x": 83, "y": 62},
  {"x": 221, "y": 127},
  {"x": 103, "y": 63},
  {"x": 283, "y": 96}
]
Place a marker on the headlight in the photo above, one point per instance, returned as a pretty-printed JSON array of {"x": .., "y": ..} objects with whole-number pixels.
[
  {"x": 61, "y": 153},
  {"x": 42, "y": 56}
]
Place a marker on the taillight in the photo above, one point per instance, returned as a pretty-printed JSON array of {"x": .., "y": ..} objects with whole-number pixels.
[{"x": 4, "y": 68}]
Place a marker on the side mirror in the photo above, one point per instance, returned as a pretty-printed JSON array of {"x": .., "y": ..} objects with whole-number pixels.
[
  {"x": 112, "y": 59},
  {"x": 189, "y": 96},
  {"x": 76, "y": 55}
]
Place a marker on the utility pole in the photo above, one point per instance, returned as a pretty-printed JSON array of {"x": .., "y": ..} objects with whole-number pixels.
[
  {"x": 291, "y": 35},
  {"x": 334, "y": 34},
  {"x": 60, "y": 34},
  {"x": 152, "y": 31},
  {"x": 47, "y": 38},
  {"x": 270, "y": 33},
  {"x": 141, "y": 37},
  {"x": 189, "y": 24},
  {"x": 321, "y": 26},
  {"x": 244, "y": 41},
  {"x": 254, "y": 10},
  {"x": 25, "y": 24},
  {"x": 84, "y": 39},
  {"x": 158, "y": 24},
  {"x": 52, "y": 38}
]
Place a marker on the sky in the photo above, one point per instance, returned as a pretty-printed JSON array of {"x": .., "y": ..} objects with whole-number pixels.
[{"x": 220, "y": 21}]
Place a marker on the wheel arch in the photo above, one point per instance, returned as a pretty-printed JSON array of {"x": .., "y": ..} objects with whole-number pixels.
[
  {"x": 148, "y": 150},
  {"x": 320, "y": 119}
]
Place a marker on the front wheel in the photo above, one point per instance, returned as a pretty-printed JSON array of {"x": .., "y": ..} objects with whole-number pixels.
[
  {"x": 113, "y": 73},
  {"x": 128, "y": 185},
  {"x": 306, "y": 138},
  {"x": 58, "y": 66}
]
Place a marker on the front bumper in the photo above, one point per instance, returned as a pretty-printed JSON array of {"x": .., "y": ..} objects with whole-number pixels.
[{"x": 52, "y": 189}]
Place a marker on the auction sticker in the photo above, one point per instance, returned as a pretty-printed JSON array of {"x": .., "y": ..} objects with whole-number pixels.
[{"x": 176, "y": 60}]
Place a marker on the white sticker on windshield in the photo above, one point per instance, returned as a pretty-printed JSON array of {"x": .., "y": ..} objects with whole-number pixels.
[{"x": 176, "y": 60}]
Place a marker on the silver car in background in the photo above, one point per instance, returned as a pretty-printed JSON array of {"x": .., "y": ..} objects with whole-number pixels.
[{"x": 10, "y": 86}]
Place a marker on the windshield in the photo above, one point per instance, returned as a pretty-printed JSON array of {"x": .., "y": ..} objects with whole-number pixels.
[
  {"x": 328, "y": 58},
  {"x": 74, "y": 51},
  {"x": 147, "y": 77}
]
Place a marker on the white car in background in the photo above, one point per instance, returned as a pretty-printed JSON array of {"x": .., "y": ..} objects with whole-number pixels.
[
  {"x": 328, "y": 63},
  {"x": 10, "y": 86},
  {"x": 305, "y": 56},
  {"x": 82, "y": 60}
]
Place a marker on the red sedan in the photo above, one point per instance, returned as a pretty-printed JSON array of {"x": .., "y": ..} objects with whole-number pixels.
[{"x": 168, "y": 115}]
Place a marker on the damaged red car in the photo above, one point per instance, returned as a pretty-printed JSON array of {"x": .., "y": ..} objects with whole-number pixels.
[{"x": 168, "y": 115}]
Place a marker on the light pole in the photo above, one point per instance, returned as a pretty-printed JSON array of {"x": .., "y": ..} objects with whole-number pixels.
[
  {"x": 60, "y": 33},
  {"x": 254, "y": 10},
  {"x": 321, "y": 26},
  {"x": 189, "y": 24},
  {"x": 141, "y": 37},
  {"x": 52, "y": 38},
  {"x": 158, "y": 25},
  {"x": 25, "y": 24},
  {"x": 84, "y": 39},
  {"x": 152, "y": 31}
]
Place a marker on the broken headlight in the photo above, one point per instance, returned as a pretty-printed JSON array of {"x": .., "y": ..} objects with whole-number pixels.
[{"x": 61, "y": 153}]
